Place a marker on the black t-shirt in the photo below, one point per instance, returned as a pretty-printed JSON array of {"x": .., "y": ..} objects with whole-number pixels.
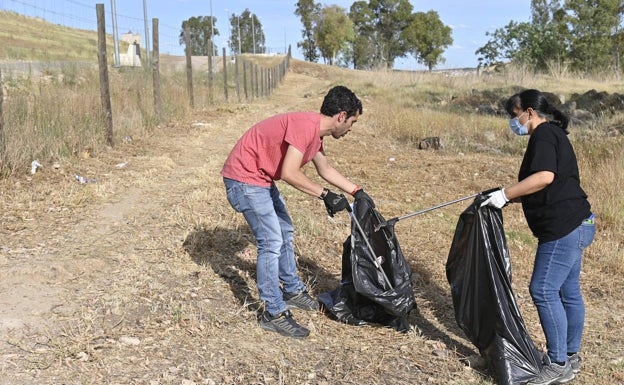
[{"x": 556, "y": 210}]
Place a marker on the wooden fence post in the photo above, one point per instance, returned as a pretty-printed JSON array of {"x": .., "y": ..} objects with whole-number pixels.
[
  {"x": 225, "y": 79},
  {"x": 2, "y": 141},
  {"x": 257, "y": 85},
  {"x": 103, "y": 67},
  {"x": 245, "y": 80},
  {"x": 262, "y": 82},
  {"x": 211, "y": 75},
  {"x": 274, "y": 78},
  {"x": 252, "y": 80},
  {"x": 238, "y": 96},
  {"x": 268, "y": 81},
  {"x": 189, "y": 66},
  {"x": 156, "y": 70}
]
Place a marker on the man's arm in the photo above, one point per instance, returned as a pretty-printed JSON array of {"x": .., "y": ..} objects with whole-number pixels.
[
  {"x": 331, "y": 175},
  {"x": 292, "y": 174}
]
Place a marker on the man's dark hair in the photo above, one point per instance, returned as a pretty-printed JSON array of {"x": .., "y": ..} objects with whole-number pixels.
[{"x": 340, "y": 98}]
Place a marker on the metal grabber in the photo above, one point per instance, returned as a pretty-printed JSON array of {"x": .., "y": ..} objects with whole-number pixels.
[{"x": 391, "y": 222}]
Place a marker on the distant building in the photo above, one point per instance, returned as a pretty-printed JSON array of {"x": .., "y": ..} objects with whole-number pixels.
[
  {"x": 133, "y": 57},
  {"x": 131, "y": 38}
]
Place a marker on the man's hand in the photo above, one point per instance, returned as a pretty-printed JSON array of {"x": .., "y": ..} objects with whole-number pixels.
[
  {"x": 334, "y": 202},
  {"x": 360, "y": 194},
  {"x": 496, "y": 199}
]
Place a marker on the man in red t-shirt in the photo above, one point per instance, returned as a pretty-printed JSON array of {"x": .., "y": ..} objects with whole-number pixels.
[{"x": 276, "y": 149}]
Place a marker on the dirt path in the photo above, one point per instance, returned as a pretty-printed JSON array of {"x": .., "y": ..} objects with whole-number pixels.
[
  {"x": 131, "y": 200},
  {"x": 66, "y": 267}
]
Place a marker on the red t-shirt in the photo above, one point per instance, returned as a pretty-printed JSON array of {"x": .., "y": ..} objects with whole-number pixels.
[{"x": 258, "y": 155}]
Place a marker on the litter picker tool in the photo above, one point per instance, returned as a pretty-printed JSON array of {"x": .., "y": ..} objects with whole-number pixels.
[
  {"x": 392, "y": 221},
  {"x": 369, "y": 247}
]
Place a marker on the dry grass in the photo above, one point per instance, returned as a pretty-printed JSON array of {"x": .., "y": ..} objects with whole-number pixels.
[
  {"x": 147, "y": 275},
  {"x": 33, "y": 39},
  {"x": 38, "y": 124}
]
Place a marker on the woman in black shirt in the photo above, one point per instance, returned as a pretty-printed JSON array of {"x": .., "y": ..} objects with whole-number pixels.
[{"x": 558, "y": 213}]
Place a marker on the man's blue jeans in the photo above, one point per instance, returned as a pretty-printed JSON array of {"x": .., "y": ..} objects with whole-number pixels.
[
  {"x": 556, "y": 291},
  {"x": 265, "y": 212}
]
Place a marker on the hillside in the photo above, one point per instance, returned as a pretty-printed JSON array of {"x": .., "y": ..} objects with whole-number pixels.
[
  {"x": 24, "y": 38},
  {"x": 33, "y": 39}
]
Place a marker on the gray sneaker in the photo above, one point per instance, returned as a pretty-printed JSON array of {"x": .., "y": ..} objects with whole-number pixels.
[
  {"x": 575, "y": 362},
  {"x": 551, "y": 373},
  {"x": 283, "y": 324},
  {"x": 301, "y": 301}
]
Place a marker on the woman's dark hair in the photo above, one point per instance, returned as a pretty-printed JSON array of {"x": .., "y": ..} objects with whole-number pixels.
[
  {"x": 539, "y": 103},
  {"x": 338, "y": 99}
]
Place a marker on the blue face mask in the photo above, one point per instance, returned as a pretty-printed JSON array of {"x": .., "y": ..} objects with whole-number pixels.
[{"x": 517, "y": 128}]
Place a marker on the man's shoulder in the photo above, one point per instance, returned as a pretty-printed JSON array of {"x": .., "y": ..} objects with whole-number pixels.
[{"x": 303, "y": 115}]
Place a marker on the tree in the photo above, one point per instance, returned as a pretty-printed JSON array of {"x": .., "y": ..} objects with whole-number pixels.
[
  {"x": 248, "y": 27},
  {"x": 593, "y": 24},
  {"x": 236, "y": 35},
  {"x": 309, "y": 12},
  {"x": 383, "y": 21},
  {"x": 536, "y": 44},
  {"x": 427, "y": 37},
  {"x": 363, "y": 52},
  {"x": 550, "y": 37},
  {"x": 200, "y": 30},
  {"x": 332, "y": 32},
  {"x": 583, "y": 33},
  {"x": 505, "y": 44}
]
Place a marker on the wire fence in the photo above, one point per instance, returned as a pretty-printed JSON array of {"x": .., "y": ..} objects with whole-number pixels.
[
  {"x": 80, "y": 14},
  {"x": 148, "y": 92}
]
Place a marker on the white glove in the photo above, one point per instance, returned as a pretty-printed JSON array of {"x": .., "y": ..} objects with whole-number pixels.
[{"x": 496, "y": 199}]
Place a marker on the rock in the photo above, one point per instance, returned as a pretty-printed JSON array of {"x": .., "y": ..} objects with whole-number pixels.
[{"x": 125, "y": 340}]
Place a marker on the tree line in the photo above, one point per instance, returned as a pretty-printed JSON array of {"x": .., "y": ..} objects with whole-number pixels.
[
  {"x": 246, "y": 34},
  {"x": 582, "y": 35},
  {"x": 371, "y": 35}
]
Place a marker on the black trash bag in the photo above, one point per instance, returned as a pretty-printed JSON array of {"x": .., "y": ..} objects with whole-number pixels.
[
  {"x": 479, "y": 272},
  {"x": 379, "y": 294}
]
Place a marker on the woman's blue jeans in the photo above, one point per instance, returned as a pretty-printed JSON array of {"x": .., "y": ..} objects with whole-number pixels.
[
  {"x": 556, "y": 291},
  {"x": 265, "y": 212}
]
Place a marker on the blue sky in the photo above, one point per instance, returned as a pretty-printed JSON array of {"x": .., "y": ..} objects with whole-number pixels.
[{"x": 469, "y": 20}]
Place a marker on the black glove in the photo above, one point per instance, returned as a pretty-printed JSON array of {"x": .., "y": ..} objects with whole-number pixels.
[
  {"x": 360, "y": 194},
  {"x": 335, "y": 203}
]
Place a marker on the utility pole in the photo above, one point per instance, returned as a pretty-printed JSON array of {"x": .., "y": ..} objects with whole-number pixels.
[
  {"x": 211, "y": 37},
  {"x": 239, "y": 42},
  {"x": 253, "y": 33},
  {"x": 115, "y": 35},
  {"x": 227, "y": 12},
  {"x": 147, "y": 49}
]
